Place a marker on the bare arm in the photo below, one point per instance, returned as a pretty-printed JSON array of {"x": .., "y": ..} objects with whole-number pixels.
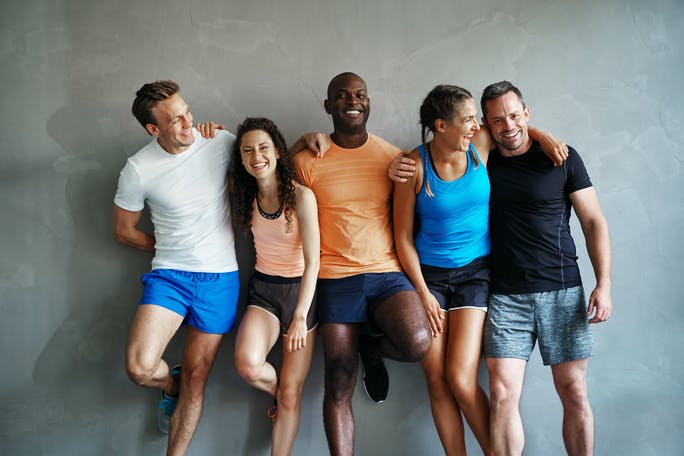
[
  {"x": 317, "y": 142},
  {"x": 554, "y": 148},
  {"x": 403, "y": 213},
  {"x": 595, "y": 229},
  {"x": 483, "y": 142},
  {"x": 126, "y": 230},
  {"x": 307, "y": 213}
]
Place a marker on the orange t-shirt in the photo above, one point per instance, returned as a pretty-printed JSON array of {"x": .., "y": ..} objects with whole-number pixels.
[{"x": 354, "y": 197}]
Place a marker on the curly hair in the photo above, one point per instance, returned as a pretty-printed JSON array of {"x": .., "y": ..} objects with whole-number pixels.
[{"x": 243, "y": 186}]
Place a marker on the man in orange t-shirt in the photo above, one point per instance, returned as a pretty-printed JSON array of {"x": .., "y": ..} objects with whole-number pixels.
[{"x": 366, "y": 304}]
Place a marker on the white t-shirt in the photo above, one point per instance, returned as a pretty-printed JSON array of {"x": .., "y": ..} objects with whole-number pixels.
[{"x": 187, "y": 197}]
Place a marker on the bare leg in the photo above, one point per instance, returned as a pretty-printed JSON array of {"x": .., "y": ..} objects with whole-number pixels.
[
  {"x": 258, "y": 332},
  {"x": 152, "y": 329},
  {"x": 445, "y": 411},
  {"x": 340, "y": 347},
  {"x": 578, "y": 419},
  {"x": 462, "y": 360},
  {"x": 292, "y": 376},
  {"x": 402, "y": 319},
  {"x": 505, "y": 383},
  {"x": 198, "y": 357}
]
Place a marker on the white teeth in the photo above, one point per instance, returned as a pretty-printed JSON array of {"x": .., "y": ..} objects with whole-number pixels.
[{"x": 353, "y": 112}]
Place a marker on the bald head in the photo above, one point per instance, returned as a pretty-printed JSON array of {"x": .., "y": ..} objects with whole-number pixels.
[{"x": 342, "y": 79}]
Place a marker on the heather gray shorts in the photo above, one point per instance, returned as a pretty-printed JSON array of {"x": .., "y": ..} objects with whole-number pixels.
[{"x": 557, "y": 319}]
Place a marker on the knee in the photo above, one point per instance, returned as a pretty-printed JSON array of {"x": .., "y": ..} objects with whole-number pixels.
[
  {"x": 573, "y": 394},
  {"x": 501, "y": 395},
  {"x": 289, "y": 397},
  {"x": 463, "y": 386},
  {"x": 415, "y": 347},
  {"x": 193, "y": 381},
  {"x": 248, "y": 368},
  {"x": 437, "y": 386},
  {"x": 139, "y": 369},
  {"x": 339, "y": 380}
]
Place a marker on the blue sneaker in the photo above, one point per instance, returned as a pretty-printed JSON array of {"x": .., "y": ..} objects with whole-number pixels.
[{"x": 167, "y": 404}]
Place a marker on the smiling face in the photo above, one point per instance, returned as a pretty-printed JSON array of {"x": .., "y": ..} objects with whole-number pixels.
[
  {"x": 348, "y": 103},
  {"x": 457, "y": 132},
  {"x": 173, "y": 124},
  {"x": 507, "y": 117},
  {"x": 258, "y": 153}
]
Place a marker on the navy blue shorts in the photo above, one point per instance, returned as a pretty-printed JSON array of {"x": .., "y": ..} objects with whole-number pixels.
[
  {"x": 206, "y": 300},
  {"x": 353, "y": 299},
  {"x": 466, "y": 287}
]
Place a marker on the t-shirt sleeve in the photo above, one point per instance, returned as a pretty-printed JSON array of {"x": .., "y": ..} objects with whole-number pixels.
[
  {"x": 577, "y": 176},
  {"x": 228, "y": 140},
  {"x": 129, "y": 193},
  {"x": 302, "y": 165}
]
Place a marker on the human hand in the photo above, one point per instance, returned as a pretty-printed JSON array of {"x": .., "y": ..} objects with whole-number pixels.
[
  {"x": 208, "y": 129},
  {"x": 600, "y": 304},
  {"x": 434, "y": 313},
  {"x": 402, "y": 168},
  {"x": 295, "y": 339},
  {"x": 317, "y": 142},
  {"x": 554, "y": 148}
]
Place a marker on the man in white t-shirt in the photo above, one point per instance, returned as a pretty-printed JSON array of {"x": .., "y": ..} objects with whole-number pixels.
[{"x": 194, "y": 279}]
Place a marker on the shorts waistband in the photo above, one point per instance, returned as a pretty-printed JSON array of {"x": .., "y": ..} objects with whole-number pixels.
[
  {"x": 275, "y": 279},
  {"x": 477, "y": 263}
]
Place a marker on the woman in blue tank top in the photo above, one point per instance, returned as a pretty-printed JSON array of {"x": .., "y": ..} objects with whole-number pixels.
[{"x": 441, "y": 231}]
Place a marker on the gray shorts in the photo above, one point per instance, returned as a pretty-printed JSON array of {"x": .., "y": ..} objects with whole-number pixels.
[{"x": 558, "y": 319}]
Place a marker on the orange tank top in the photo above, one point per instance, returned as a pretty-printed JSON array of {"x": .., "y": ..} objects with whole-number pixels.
[{"x": 278, "y": 252}]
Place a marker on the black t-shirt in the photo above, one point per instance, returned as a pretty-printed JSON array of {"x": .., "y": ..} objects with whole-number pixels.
[{"x": 529, "y": 211}]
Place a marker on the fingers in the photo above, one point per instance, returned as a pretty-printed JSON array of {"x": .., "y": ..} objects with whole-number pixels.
[
  {"x": 435, "y": 318},
  {"x": 295, "y": 343}
]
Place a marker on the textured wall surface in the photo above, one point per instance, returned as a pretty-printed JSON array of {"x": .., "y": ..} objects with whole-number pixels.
[{"x": 603, "y": 75}]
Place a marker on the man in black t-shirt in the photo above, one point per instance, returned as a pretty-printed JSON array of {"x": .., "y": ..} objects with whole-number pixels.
[{"x": 536, "y": 286}]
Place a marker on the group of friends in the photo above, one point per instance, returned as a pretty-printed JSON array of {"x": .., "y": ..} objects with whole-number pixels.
[{"x": 461, "y": 246}]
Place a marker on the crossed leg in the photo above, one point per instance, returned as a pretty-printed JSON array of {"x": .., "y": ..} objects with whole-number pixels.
[{"x": 151, "y": 331}]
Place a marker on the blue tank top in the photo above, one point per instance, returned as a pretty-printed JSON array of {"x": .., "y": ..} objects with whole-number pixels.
[{"x": 454, "y": 223}]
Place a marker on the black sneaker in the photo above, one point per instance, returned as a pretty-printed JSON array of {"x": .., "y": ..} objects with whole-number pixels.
[{"x": 375, "y": 378}]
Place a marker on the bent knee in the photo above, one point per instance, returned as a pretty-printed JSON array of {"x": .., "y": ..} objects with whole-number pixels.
[
  {"x": 416, "y": 347},
  {"x": 249, "y": 370},
  {"x": 139, "y": 370}
]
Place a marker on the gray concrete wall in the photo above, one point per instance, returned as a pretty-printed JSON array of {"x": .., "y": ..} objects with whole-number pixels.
[{"x": 606, "y": 76}]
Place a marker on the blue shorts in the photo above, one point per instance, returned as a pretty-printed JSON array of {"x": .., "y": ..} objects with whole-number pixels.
[
  {"x": 207, "y": 300},
  {"x": 353, "y": 299},
  {"x": 557, "y": 319},
  {"x": 466, "y": 287}
]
